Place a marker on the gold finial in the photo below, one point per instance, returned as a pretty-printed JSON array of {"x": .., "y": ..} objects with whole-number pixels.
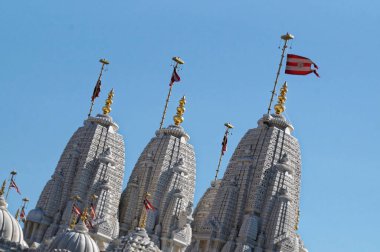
[
  {"x": 144, "y": 214},
  {"x": 178, "y": 60},
  {"x": 297, "y": 221},
  {"x": 17, "y": 214},
  {"x": 107, "y": 108},
  {"x": 143, "y": 218},
  {"x": 178, "y": 118},
  {"x": 94, "y": 197},
  {"x": 84, "y": 215},
  {"x": 75, "y": 199},
  {"x": 280, "y": 106},
  {"x": 3, "y": 188}
]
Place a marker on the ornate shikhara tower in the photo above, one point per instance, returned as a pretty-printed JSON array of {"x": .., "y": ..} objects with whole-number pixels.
[
  {"x": 255, "y": 206},
  {"x": 92, "y": 163},
  {"x": 165, "y": 170}
]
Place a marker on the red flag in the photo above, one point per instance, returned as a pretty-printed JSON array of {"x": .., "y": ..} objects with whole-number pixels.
[
  {"x": 148, "y": 205},
  {"x": 299, "y": 65},
  {"x": 92, "y": 211},
  {"x": 76, "y": 210},
  {"x": 224, "y": 144},
  {"x": 96, "y": 90},
  {"x": 175, "y": 77},
  {"x": 13, "y": 184},
  {"x": 22, "y": 214}
]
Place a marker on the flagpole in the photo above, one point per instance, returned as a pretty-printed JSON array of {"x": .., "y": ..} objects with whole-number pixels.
[
  {"x": 144, "y": 214},
  {"x": 75, "y": 199},
  {"x": 228, "y": 127},
  {"x": 17, "y": 214},
  {"x": 24, "y": 202},
  {"x": 178, "y": 61},
  {"x": 104, "y": 62},
  {"x": 286, "y": 38},
  {"x": 92, "y": 206},
  {"x": 13, "y": 174}
]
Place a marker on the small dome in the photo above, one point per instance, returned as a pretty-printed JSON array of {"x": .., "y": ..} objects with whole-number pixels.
[
  {"x": 77, "y": 240},
  {"x": 136, "y": 241},
  {"x": 10, "y": 229}
]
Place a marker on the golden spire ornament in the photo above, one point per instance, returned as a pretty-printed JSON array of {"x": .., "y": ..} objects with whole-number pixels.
[
  {"x": 107, "y": 107},
  {"x": 280, "y": 106},
  {"x": 3, "y": 187},
  {"x": 178, "y": 118},
  {"x": 84, "y": 215},
  {"x": 297, "y": 221},
  {"x": 17, "y": 214},
  {"x": 144, "y": 214},
  {"x": 286, "y": 38},
  {"x": 75, "y": 199}
]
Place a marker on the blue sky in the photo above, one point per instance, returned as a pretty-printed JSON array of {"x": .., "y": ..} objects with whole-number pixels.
[{"x": 49, "y": 65}]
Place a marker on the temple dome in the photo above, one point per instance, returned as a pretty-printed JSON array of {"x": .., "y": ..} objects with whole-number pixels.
[
  {"x": 74, "y": 240},
  {"x": 10, "y": 229},
  {"x": 138, "y": 240}
]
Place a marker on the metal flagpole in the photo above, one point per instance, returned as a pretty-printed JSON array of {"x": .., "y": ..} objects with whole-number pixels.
[
  {"x": 73, "y": 220},
  {"x": 13, "y": 174},
  {"x": 178, "y": 61},
  {"x": 144, "y": 214},
  {"x": 228, "y": 127},
  {"x": 286, "y": 38},
  {"x": 104, "y": 62},
  {"x": 24, "y": 202}
]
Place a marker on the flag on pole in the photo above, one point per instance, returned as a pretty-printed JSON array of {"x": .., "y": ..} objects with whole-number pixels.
[
  {"x": 175, "y": 77},
  {"x": 299, "y": 65},
  {"x": 22, "y": 214},
  {"x": 224, "y": 144},
  {"x": 96, "y": 90},
  {"x": 13, "y": 184},
  {"x": 76, "y": 210},
  {"x": 92, "y": 211},
  {"x": 148, "y": 205}
]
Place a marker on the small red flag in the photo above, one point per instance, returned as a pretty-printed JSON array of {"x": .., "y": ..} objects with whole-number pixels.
[
  {"x": 96, "y": 90},
  {"x": 148, "y": 205},
  {"x": 224, "y": 144},
  {"x": 299, "y": 65},
  {"x": 92, "y": 211},
  {"x": 13, "y": 184},
  {"x": 76, "y": 210},
  {"x": 175, "y": 77},
  {"x": 22, "y": 214}
]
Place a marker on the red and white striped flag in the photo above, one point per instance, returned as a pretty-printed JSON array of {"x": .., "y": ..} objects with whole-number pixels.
[
  {"x": 175, "y": 77},
  {"x": 92, "y": 211},
  {"x": 148, "y": 205},
  {"x": 299, "y": 65},
  {"x": 13, "y": 184},
  {"x": 22, "y": 214},
  {"x": 96, "y": 91},
  {"x": 224, "y": 144},
  {"x": 76, "y": 210}
]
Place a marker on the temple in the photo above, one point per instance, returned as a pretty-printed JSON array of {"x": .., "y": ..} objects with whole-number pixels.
[
  {"x": 165, "y": 170},
  {"x": 254, "y": 207},
  {"x": 89, "y": 173}
]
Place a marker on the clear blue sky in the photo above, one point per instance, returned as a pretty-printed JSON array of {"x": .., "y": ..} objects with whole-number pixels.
[{"x": 50, "y": 52}]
